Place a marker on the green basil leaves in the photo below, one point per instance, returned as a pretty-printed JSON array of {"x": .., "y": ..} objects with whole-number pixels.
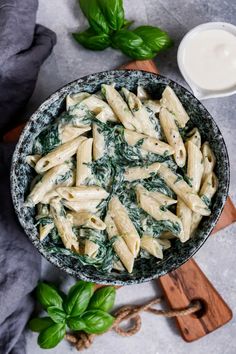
[
  {"x": 56, "y": 314},
  {"x": 78, "y": 298},
  {"x": 48, "y": 296},
  {"x": 97, "y": 321},
  {"x": 51, "y": 336},
  {"x": 92, "y": 40},
  {"x": 103, "y": 299},
  {"x": 81, "y": 310},
  {"x": 113, "y": 12},
  {"x": 132, "y": 45},
  {"x": 108, "y": 27},
  {"x": 39, "y": 324},
  {"x": 95, "y": 17},
  {"x": 154, "y": 38}
]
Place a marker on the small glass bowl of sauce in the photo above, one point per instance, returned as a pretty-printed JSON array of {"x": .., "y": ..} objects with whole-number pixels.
[{"x": 207, "y": 59}]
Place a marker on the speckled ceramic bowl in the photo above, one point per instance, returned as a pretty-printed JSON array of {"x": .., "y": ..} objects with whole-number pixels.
[{"x": 21, "y": 174}]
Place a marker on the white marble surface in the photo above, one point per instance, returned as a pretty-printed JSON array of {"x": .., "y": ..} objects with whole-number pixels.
[{"x": 217, "y": 258}]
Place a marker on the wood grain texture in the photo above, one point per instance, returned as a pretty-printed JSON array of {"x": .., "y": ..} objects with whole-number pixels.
[
  {"x": 188, "y": 282},
  {"x": 146, "y": 65}
]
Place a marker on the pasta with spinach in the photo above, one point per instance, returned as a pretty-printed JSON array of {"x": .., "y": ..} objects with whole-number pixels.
[{"x": 120, "y": 177}]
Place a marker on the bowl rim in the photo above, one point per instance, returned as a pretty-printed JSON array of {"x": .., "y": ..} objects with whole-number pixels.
[{"x": 58, "y": 262}]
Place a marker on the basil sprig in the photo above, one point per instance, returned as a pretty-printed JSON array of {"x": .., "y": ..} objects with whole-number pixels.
[
  {"x": 92, "y": 40},
  {"x": 82, "y": 309},
  {"x": 132, "y": 45},
  {"x": 108, "y": 27},
  {"x": 94, "y": 14}
]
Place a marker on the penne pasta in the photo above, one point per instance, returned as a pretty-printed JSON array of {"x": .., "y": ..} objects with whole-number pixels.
[
  {"x": 69, "y": 132},
  {"x": 142, "y": 93},
  {"x": 91, "y": 249},
  {"x": 48, "y": 196},
  {"x": 161, "y": 198},
  {"x": 165, "y": 243},
  {"x": 173, "y": 136},
  {"x": 64, "y": 181},
  {"x": 195, "y": 137},
  {"x": 83, "y": 205},
  {"x": 140, "y": 113},
  {"x": 76, "y": 98},
  {"x": 86, "y": 219},
  {"x": 44, "y": 230},
  {"x": 117, "y": 265},
  {"x": 97, "y": 106},
  {"x": 183, "y": 190},
  {"x": 149, "y": 144},
  {"x": 45, "y": 222},
  {"x": 196, "y": 219},
  {"x": 152, "y": 246},
  {"x": 84, "y": 158},
  {"x": 46, "y": 184},
  {"x": 185, "y": 215},
  {"x": 63, "y": 226},
  {"x": 155, "y": 210},
  {"x": 124, "y": 225},
  {"x": 135, "y": 173},
  {"x": 194, "y": 165},
  {"x": 171, "y": 102},
  {"x": 209, "y": 187},
  {"x": 167, "y": 235},
  {"x": 119, "y": 244},
  {"x": 120, "y": 108},
  {"x": 86, "y": 147},
  {"x": 99, "y": 145},
  {"x": 59, "y": 155},
  {"x": 32, "y": 159},
  {"x": 207, "y": 192},
  {"x": 74, "y": 194},
  {"x": 153, "y": 105},
  {"x": 209, "y": 160}
]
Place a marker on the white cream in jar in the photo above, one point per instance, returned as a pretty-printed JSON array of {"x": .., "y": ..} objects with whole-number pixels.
[{"x": 207, "y": 59}]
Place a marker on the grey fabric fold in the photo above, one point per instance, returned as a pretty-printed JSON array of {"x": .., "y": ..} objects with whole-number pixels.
[{"x": 23, "y": 48}]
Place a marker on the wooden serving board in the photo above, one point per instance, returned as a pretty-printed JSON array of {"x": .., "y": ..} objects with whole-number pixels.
[{"x": 187, "y": 283}]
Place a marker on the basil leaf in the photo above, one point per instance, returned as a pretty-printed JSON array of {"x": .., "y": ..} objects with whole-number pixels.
[
  {"x": 94, "y": 15},
  {"x": 39, "y": 324},
  {"x": 60, "y": 292},
  {"x": 154, "y": 38},
  {"x": 56, "y": 314},
  {"x": 51, "y": 336},
  {"x": 103, "y": 299},
  {"x": 127, "y": 23},
  {"x": 48, "y": 295},
  {"x": 75, "y": 323},
  {"x": 126, "y": 38},
  {"x": 92, "y": 40},
  {"x": 132, "y": 45},
  {"x": 97, "y": 321},
  {"x": 113, "y": 12},
  {"x": 78, "y": 298}
]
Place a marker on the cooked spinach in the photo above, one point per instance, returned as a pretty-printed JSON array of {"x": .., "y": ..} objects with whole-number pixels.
[
  {"x": 108, "y": 172},
  {"x": 47, "y": 140},
  {"x": 206, "y": 200}
]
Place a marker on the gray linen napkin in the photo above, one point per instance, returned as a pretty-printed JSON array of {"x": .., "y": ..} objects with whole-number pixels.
[{"x": 23, "y": 48}]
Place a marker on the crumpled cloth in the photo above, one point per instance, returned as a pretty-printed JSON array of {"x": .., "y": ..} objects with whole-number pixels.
[{"x": 23, "y": 48}]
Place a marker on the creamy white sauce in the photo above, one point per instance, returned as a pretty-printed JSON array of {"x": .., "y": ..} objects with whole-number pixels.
[{"x": 209, "y": 58}]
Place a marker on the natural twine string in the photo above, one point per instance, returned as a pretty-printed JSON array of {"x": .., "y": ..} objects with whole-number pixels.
[{"x": 81, "y": 340}]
